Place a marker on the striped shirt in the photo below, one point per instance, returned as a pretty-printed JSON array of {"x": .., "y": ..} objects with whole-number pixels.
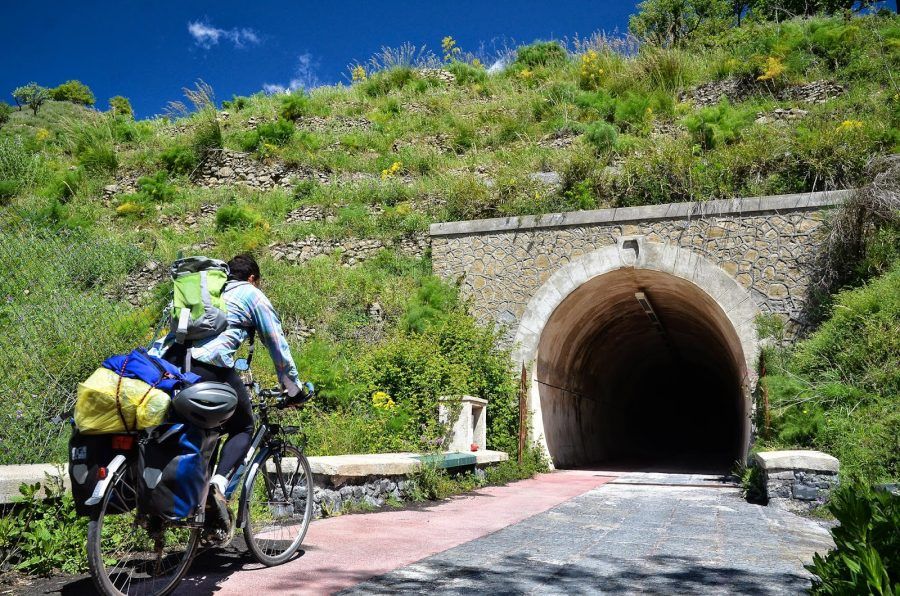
[{"x": 248, "y": 308}]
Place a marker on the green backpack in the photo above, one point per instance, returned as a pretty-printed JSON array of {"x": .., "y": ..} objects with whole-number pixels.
[{"x": 198, "y": 309}]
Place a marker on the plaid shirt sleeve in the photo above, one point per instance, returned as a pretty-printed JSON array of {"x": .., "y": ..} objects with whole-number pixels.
[{"x": 268, "y": 326}]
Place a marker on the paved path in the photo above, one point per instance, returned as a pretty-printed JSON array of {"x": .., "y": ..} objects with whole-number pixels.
[
  {"x": 630, "y": 536},
  {"x": 342, "y": 551},
  {"x": 573, "y": 532}
]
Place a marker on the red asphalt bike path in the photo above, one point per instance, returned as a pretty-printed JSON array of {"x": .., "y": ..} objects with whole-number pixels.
[{"x": 340, "y": 552}]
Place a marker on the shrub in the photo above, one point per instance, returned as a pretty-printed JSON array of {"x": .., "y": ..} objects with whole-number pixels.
[
  {"x": 18, "y": 165},
  {"x": 237, "y": 103},
  {"x": 718, "y": 125},
  {"x": 674, "y": 22},
  {"x": 65, "y": 186},
  {"x": 44, "y": 535},
  {"x": 157, "y": 188},
  {"x": 304, "y": 189},
  {"x": 866, "y": 554},
  {"x": 120, "y": 106},
  {"x": 466, "y": 74},
  {"x": 602, "y": 136},
  {"x": 8, "y": 189},
  {"x": 236, "y": 217},
  {"x": 385, "y": 81},
  {"x": 208, "y": 135},
  {"x": 5, "y": 111},
  {"x": 179, "y": 159},
  {"x": 276, "y": 133},
  {"x": 73, "y": 91},
  {"x": 295, "y": 105},
  {"x": 546, "y": 54},
  {"x": 663, "y": 69},
  {"x": 98, "y": 158}
]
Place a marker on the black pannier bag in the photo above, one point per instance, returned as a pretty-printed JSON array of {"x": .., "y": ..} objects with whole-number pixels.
[
  {"x": 173, "y": 469},
  {"x": 89, "y": 456}
]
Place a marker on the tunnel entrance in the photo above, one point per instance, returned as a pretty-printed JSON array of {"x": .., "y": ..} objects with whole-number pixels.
[{"x": 641, "y": 369}]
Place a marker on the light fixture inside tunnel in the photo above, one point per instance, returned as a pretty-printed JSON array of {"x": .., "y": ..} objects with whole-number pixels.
[{"x": 642, "y": 299}]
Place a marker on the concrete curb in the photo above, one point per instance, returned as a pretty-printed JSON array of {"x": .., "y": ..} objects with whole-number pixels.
[
  {"x": 337, "y": 466},
  {"x": 701, "y": 209}
]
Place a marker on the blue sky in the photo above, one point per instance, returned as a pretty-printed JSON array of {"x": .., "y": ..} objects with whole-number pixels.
[{"x": 147, "y": 51}]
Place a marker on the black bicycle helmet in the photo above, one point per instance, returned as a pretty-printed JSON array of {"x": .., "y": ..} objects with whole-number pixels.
[{"x": 207, "y": 404}]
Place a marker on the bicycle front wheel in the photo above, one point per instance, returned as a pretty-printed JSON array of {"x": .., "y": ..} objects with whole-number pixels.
[
  {"x": 132, "y": 554},
  {"x": 278, "y": 505}
]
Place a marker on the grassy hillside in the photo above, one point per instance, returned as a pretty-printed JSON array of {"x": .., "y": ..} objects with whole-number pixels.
[{"x": 96, "y": 204}]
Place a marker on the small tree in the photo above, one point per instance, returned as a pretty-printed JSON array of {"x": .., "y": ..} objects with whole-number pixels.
[
  {"x": 5, "y": 111},
  {"x": 120, "y": 106},
  {"x": 73, "y": 91},
  {"x": 672, "y": 22},
  {"x": 31, "y": 95},
  {"x": 785, "y": 9}
]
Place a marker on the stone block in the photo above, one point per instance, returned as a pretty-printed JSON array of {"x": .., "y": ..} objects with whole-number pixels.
[
  {"x": 805, "y": 492},
  {"x": 798, "y": 460}
]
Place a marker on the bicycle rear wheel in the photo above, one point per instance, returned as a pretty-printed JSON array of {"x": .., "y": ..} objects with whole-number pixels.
[
  {"x": 278, "y": 505},
  {"x": 131, "y": 554}
]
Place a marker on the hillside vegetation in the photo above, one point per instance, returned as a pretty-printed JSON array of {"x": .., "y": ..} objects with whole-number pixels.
[{"x": 341, "y": 183}]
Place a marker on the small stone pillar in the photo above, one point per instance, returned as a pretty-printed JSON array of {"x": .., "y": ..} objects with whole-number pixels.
[
  {"x": 470, "y": 426},
  {"x": 798, "y": 480}
]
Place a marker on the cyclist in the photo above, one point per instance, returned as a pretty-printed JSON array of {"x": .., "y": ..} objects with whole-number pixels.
[{"x": 249, "y": 311}]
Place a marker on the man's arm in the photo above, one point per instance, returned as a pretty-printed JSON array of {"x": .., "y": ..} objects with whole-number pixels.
[{"x": 268, "y": 327}]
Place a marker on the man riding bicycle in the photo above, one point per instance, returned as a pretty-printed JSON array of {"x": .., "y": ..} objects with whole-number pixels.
[{"x": 249, "y": 312}]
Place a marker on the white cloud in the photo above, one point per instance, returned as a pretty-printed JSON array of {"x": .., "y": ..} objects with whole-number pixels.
[
  {"x": 206, "y": 35},
  {"x": 304, "y": 77}
]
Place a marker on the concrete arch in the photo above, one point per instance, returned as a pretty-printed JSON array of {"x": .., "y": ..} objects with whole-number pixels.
[{"x": 582, "y": 335}]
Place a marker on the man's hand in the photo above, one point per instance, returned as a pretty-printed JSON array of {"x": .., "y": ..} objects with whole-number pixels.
[{"x": 301, "y": 394}]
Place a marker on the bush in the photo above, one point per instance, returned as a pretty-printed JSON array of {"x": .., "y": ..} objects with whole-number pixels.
[
  {"x": 236, "y": 217},
  {"x": 276, "y": 133},
  {"x": 5, "y": 111},
  {"x": 718, "y": 125},
  {"x": 385, "y": 81},
  {"x": 99, "y": 159},
  {"x": 208, "y": 135},
  {"x": 18, "y": 165},
  {"x": 73, "y": 91},
  {"x": 179, "y": 159},
  {"x": 467, "y": 74},
  {"x": 295, "y": 106},
  {"x": 65, "y": 186},
  {"x": 8, "y": 189},
  {"x": 237, "y": 103},
  {"x": 120, "y": 106},
  {"x": 545, "y": 54},
  {"x": 866, "y": 554},
  {"x": 602, "y": 136},
  {"x": 44, "y": 535},
  {"x": 157, "y": 188}
]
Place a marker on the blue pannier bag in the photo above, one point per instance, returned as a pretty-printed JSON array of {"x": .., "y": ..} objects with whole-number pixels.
[
  {"x": 154, "y": 371},
  {"x": 173, "y": 470}
]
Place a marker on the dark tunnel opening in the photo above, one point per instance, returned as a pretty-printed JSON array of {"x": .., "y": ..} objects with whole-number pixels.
[{"x": 639, "y": 369}]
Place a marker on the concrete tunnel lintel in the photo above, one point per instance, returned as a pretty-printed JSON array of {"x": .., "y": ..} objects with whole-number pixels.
[{"x": 690, "y": 287}]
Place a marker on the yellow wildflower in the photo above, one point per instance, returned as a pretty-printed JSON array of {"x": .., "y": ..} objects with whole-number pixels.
[
  {"x": 359, "y": 73},
  {"x": 590, "y": 74},
  {"x": 41, "y": 135},
  {"x": 774, "y": 69},
  {"x": 848, "y": 125},
  {"x": 477, "y": 63},
  {"x": 391, "y": 171},
  {"x": 382, "y": 401},
  {"x": 526, "y": 74},
  {"x": 451, "y": 51}
]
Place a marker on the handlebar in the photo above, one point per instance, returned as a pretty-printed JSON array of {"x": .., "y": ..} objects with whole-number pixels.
[{"x": 283, "y": 400}]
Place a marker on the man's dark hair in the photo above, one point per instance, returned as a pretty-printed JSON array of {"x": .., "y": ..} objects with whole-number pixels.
[{"x": 242, "y": 267}]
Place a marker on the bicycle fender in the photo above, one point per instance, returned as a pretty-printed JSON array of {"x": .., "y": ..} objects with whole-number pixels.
[
  {"x": 248, "y": 477},
  {"x": 100, "y": 488}
]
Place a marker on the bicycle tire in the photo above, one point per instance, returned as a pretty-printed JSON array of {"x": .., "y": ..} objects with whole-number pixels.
[
  {"x": 120, "y": 501},
  {"x": 281, "y": 500}
]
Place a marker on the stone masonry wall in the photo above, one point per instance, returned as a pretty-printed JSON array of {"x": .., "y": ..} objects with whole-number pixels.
[{"x": 766, "y": 244}]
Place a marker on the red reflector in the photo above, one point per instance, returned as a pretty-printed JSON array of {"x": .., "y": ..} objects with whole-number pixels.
[
  {"x": 123, "y": 442},
  {"x": 101, "y": 473}
]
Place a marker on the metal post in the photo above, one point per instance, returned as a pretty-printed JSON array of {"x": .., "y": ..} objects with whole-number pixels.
[{"x": 523, "y": 412}]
